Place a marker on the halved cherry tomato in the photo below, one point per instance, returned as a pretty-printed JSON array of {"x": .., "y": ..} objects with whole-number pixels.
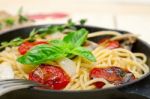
[
  {"x": 24, "y": 47},
  {"x": 52, "y": 76},
  {"x": 114, "y": 75},
  {"x": 110, "y": 44}
]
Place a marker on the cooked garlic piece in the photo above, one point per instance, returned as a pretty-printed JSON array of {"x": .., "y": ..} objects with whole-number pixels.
[{"x": 6, "y": 71}]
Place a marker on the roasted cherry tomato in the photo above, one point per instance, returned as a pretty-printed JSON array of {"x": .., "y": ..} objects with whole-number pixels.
[
  {"x": 52, "y": 76},
  {"x": 113, "y": 44},
  {"x": 109, "y": 43},
  {"x": 114, "y": 75},
  {"x": 24, "y": 47}
]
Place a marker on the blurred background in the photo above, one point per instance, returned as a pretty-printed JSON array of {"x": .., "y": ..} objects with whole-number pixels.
[{"x": 130, "y": 15}]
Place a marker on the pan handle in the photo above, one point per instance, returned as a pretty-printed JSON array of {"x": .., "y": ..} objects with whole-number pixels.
[{"x": 140, "y": 88}]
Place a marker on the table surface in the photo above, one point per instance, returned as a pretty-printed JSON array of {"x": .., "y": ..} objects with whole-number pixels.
[{"x": 125, "y": 15}]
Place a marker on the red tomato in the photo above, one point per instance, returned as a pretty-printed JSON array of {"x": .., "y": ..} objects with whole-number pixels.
[
  {"x": 114, "y": 75},
  {"x": 24, "y": 47},
  {"x": 40, "y": 42},
  {"x": 113, "y": 44},
  {"x": 110, "y": 44},
  {"x": 52, "y": 76}
]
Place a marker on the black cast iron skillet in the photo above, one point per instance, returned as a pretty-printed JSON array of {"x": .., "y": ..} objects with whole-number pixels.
[{"x": 139, "y": 89}]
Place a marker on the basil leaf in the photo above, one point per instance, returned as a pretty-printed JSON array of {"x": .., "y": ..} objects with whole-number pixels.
[
  {"x": 76, "y": 38},
  {"x": 42, "y": 53},
  {"x": 56, "y": 42},
  {"x": 83, "y": 52}
]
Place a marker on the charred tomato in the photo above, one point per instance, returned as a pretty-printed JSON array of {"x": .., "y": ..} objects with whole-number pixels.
[
  {"x": 114, "y": 75},
  {"x": 52, "y": 76}
]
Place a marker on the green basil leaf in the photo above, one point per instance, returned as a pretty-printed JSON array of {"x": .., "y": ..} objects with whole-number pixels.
[
  {"x": 42, "y": 53},
  {"x": 56, "y": 42},
  {"x": 83, "y": 52},
  {"x": 62, "y": 44},
  {"x": 76, "y": 38}
]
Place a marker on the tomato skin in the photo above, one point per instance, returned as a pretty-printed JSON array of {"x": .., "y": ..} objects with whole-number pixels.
[
  {"x": 113, "y": 45},
  {"x": 114, "y": 75},
  {"x": 110, "y": 44},
  {"x": 24, "y": 47},
  {"x": 40, "y": 42},
  {"x": 52, "y": 76},
  {"x": 99, "y": 84}
]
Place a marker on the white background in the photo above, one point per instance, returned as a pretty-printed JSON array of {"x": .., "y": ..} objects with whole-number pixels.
[{"x": 131, "y": 15}]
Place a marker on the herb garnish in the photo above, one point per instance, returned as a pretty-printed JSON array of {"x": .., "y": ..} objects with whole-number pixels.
[
  {"x": 42, "y": 32},
  {"x": 70, "y": 45},
  {"x": 59, "y": 28},
  {"x": 15, "y": 42}
]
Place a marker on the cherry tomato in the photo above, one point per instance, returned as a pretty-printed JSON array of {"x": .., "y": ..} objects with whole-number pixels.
[
  {"x": 114, "y": 75},
  {"x": 113, "y": 44},
  {"x": 24, "y": 47},
  {"x": 110, "y": 44},
  {"x": 52, "y": 76}
]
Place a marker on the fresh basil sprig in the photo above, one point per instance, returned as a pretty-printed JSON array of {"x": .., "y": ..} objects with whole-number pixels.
[{"x": 70, "y": 45}]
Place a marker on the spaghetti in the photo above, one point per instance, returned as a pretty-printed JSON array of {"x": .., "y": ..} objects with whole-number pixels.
[{"x": 134, "y": 63}]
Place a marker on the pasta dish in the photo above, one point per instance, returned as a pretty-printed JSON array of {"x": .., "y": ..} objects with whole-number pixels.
[{"x": 64, "y": 58}]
